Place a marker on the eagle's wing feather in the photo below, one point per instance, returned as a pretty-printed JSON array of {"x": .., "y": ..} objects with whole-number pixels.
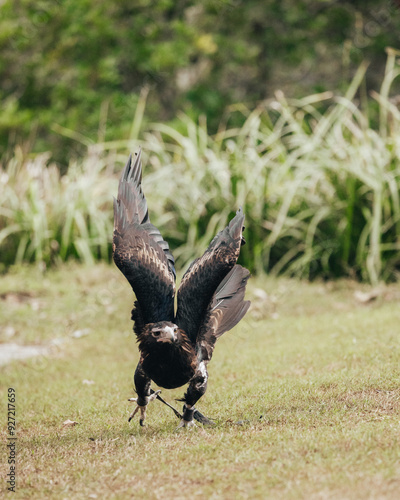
[
  {"x": 130, "y": 193},
  {"x": 140, "y": 252},
  {"x": 205, "y": 274},
  {"x": 225, "y": 310}
]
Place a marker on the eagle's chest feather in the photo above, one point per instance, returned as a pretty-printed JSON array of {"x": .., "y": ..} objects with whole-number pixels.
[{"x": 169, "y": 366}]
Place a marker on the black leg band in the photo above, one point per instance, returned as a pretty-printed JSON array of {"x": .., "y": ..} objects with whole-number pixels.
[
  {"x": 188, "y": 413},
  {"x": 142, "y": 401}
]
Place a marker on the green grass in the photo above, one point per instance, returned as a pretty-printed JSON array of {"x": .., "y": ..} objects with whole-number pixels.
[{"x": 312, "y": 373}]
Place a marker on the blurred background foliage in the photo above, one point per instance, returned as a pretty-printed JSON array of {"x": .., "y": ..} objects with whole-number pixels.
[
  {"x": 288, "y": 108},
  {"x": 70, "y": 67}
]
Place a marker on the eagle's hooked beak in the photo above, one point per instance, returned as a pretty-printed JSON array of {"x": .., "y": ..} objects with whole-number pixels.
[{"x": 169, "y": 335}]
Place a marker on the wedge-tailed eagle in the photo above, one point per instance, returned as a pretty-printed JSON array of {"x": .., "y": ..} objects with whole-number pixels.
[{"x": 175, "y": 348}]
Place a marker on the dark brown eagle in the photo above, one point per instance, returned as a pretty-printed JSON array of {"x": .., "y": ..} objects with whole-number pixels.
[{"x": 175, "y": 348}]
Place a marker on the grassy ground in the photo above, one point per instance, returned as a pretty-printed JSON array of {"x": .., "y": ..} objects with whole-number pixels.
[{"x": 305, "y": 393}]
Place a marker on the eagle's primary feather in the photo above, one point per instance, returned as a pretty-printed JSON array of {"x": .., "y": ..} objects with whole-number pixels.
[{"x": 175, "y": 349}]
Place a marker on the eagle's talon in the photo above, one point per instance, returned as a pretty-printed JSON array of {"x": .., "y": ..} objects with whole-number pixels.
[
  {"x": 187, "y": 419},
  {"x": 142, "y": 412},
  {"x": 187, "y": 424},
  {"x": 142, "y": 409},
  {"x": 154, "y": 395}
]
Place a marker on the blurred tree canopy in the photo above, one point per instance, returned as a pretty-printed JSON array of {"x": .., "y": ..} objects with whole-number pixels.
[{"x": 81, "y": 64}]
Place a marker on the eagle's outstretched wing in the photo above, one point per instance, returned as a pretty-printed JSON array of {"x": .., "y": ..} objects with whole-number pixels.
[
  {"x": 225, "y": 310},
  {"x": 205, "y": 275},
  {"x": 140, "y": 252}
]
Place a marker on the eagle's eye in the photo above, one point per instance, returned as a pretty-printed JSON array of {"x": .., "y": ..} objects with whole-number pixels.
[
  {"x": 156, "y": 333},
  {"x": 175, "y": 329}
]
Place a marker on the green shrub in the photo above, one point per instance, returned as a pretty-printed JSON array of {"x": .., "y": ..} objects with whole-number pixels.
[{"x": 320, "y": 190}]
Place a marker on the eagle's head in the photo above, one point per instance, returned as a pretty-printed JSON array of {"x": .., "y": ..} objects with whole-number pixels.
[
  {"x": 164, "y": 331},
  {"x": 164, "y": 336}
]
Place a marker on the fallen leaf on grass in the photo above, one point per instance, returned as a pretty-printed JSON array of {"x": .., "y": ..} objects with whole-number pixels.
[
  {"x": 70, "y": 423},
  {"x": 365, "y": 297},
  {"x": 77, "y": 334}
]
